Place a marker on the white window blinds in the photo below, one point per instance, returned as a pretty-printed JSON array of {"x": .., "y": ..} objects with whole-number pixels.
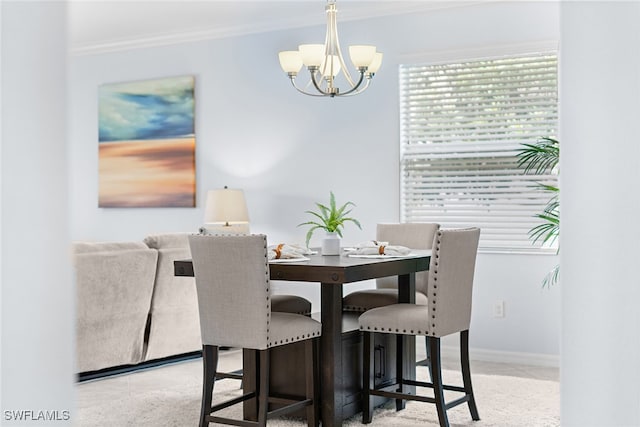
[{"x": 462, "y": 125}]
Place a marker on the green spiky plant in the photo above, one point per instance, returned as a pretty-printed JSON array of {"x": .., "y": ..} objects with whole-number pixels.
[
  {"x": 539, "y": 158},
  {"x": 330, "y": 218}
]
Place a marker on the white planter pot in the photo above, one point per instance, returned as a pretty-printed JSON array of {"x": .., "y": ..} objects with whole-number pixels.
[{"x": 331, "y": 244}]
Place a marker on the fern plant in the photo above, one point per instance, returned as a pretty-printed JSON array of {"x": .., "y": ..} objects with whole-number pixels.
[
  {"x": 538, "y": 158},
  {"x": 330, "y": 218}
]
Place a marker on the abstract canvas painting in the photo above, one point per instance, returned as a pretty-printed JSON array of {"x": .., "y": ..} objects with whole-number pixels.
[{"x": 147, "y": 143}]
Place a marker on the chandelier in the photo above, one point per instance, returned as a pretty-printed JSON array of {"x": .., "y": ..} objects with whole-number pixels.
[{"x": 325, "y": 63}]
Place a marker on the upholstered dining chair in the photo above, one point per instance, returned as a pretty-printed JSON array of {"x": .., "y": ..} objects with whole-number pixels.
[
  {"x": 448, "y": 311},
  {"x": 412, "y": 235},
  {"x": 235, "y": 306},
  {"x": 279, "y": 302}
]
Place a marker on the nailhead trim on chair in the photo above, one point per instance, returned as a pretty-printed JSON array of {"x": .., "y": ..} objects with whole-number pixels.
[
  {"x": 404, "y": 331},
  {"x": 354, "y": 308},
  {"x": 266, "y": 263},
  {"x": 292, "y": 339},
  {"x": 432, "y": 302}
]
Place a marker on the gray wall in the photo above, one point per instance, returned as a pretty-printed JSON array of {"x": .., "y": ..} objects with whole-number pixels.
[
  {"x": 287, "y": 150},
  {"x": 37, "y": 317},
  {"x": 600, "y": 94}
]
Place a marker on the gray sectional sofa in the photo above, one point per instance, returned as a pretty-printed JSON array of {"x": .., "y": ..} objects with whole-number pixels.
[
  {"x": 130, "y": 306},
  {"x": 175, "y": 322}
]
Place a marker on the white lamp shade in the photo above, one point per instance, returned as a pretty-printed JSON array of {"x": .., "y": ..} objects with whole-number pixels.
[
  {"x": 330, "y": 67},
  {"x": 362, "y": 55},
  {"x": 312, "y": 54},
  {"x": 290, "y": 61},
  {"x": 376, "y": 63},
  {"x": 226, "y": 206}
]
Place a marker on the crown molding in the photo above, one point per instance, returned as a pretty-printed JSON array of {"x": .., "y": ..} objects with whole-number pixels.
[{"x": 281, "y": 22}]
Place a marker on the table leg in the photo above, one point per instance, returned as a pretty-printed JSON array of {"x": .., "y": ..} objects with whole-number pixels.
[
  {"x": 406, "y": 344},
  {"x": 331, "y": 387}
]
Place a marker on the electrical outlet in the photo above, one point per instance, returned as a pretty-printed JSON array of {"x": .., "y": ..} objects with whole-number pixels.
[{"x": 498, "y": 309}]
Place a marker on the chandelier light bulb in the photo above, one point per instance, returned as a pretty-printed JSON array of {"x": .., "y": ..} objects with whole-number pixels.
[{"x": 330, "y": 66}]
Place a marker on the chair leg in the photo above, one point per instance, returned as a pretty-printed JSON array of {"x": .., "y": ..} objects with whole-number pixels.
[
  {"x": 263, "y": 387},
  {"x": 400, "y": 352},
  {"x": 466, "y": 374},
  {"x": 367, "y": 377},
  {"x": 311, "y": 384},
  {"x": 210, "y": 365},
  {"x": 438, "y": 390},
  {"x": 426, "y": 344}
]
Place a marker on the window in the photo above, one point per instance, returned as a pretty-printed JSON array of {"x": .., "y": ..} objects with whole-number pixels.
[{"x": 462, "y": 125}]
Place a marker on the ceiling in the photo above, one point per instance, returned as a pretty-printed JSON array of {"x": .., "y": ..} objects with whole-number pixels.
[{"x": 102, "y": 26}]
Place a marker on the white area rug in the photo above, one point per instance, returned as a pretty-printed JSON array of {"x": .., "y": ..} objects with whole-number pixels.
[{"x": 502, "y": 402}]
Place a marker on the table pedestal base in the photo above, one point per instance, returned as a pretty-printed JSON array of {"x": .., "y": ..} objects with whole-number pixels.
[{"x": 287, "y": 368}]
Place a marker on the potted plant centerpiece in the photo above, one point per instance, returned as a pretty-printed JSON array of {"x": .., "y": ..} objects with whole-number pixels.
[{"x": 331, "y": 219}]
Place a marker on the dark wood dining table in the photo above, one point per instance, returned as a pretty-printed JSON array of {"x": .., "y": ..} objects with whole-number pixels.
[{"x": 332, "y": 273}]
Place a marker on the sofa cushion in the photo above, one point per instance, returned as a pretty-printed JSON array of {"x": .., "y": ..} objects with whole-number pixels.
[
  {"x": 90, "y": 247},
  {"x": 167, "y": 240}
]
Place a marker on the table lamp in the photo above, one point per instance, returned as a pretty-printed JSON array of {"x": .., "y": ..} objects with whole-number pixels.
[{"x": 226, "y": 212}]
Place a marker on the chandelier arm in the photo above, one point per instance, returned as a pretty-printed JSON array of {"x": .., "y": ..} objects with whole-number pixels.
[
  {"x": 329, "y": 48},
  {"x": 360, "y": 90},
  {"x": 345, "y": 69},
  {"x": 293, "y": 83},
  {"x": 353, "y": 90},
  {"x": 317, "y": 86},
  {"x": 332, "y": 42}
]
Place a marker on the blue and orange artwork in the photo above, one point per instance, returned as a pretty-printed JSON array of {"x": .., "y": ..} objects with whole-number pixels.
[{"x": 147, "y": 143}]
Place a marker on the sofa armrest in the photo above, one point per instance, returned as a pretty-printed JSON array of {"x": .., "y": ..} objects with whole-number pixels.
[
  {"x": 114, "y": 288},
  {"x": 167, "y": 240}
]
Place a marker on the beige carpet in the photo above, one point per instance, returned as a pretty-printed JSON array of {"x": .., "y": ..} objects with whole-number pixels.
[{"x": 502, "y": 402}]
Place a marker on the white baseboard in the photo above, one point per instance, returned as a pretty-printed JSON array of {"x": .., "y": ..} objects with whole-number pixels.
[
  {"x": 450, "y": 349},
  {"x": 534, "y": 359}
]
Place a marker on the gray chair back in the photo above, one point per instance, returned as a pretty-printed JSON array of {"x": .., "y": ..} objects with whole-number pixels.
[
  {"x": 232, "y": 283},
  {"x": 451, "y": 274},
  {"x": 417, "y": 235}
]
